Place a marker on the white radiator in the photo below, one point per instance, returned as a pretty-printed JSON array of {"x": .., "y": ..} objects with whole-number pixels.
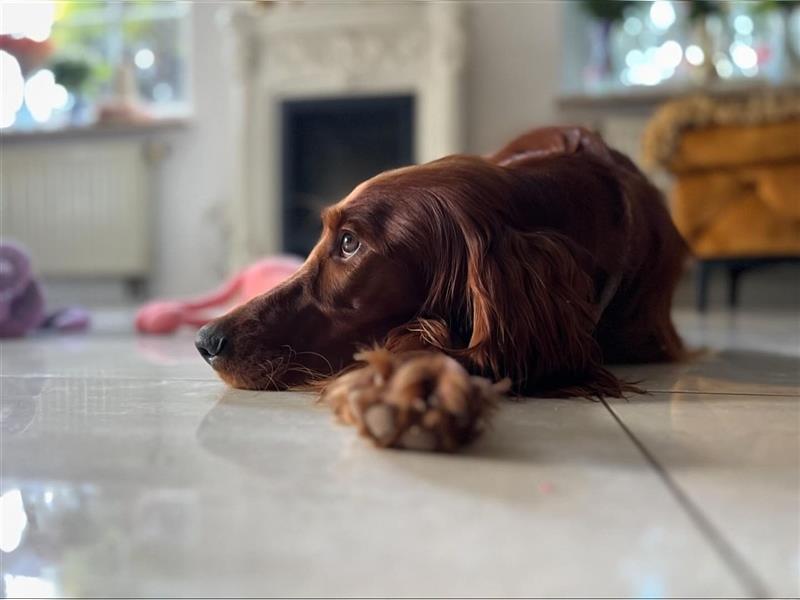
[{"x": 82, "y": 208}]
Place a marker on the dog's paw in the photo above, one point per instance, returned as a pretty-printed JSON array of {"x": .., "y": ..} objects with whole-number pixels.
[{"x": 420, "y": 401}]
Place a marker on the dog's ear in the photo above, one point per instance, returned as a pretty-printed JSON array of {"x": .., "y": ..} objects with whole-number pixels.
[
  {"x": 531, "y": 308},
  {"x": 419, "y": 334}
]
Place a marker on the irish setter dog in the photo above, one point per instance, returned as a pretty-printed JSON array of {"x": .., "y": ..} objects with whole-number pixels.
[{"x": 436, "y": 288}]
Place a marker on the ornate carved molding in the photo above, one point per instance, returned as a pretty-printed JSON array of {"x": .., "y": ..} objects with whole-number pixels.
[
  {"x": 240, "y": 22},
  {"x": 347, "y": 54}
]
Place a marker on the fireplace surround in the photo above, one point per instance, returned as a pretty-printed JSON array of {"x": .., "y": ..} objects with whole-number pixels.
[
  {"x": 290, "y": 55},
  {"x": 328, "y": 147}
]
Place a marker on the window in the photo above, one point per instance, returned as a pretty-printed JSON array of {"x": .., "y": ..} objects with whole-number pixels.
[
  {"x": 614, "y": 45},
  {"x": 77, "y": 62}
]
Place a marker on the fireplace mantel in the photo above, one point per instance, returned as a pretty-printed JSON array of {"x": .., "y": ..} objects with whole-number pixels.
[{"x": 292, "y": 50}]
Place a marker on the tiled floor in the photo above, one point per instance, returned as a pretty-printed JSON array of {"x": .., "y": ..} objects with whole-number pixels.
[{"x": 127, "y": 469}]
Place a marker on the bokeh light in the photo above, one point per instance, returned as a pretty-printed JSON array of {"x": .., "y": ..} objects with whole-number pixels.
[
  {"x": 634, "y": 57},
  {"x": 632, "y": 26},
  {"x": 669, "y": 55},
  {"x": 662, "y": 14},
  {"x": 25, "y": 586},
  {"x": 144, "y": 58},
  {"x": 695, "y": 55},
  {"x": 162, "y": 92},
  {"x": 743, "y": 24},
  {"x": 13, "y": 518},
  {"x": 724, "y": 67},
  {"x": 60, "y": 96},
  {"x": 32, "y": 20},
  {"x": 743, "y": 55},
  {"x": 750, "y": 71},
  {"x": 13, "y": 89},
  {"x": 42, "y": 95}
]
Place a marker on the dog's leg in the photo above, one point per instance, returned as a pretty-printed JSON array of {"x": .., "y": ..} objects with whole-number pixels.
[{"x": 414, "y": 400}]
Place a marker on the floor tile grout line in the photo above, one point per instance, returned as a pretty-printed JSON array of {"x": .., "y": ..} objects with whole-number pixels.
[
  {"x": 706, "y": 393},
  {"x": 740, "y": 569}
]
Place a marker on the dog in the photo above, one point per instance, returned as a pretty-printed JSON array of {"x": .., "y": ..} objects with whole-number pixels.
[{"x": 436, "y": 288}]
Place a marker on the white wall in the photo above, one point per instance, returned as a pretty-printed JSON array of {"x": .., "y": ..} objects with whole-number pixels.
[
  {"x": 513, "y": 70},
  {"x": 194, "y": 180}
]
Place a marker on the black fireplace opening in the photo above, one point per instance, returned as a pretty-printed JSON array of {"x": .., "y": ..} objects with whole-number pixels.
[{"x": 332, "y": 145}]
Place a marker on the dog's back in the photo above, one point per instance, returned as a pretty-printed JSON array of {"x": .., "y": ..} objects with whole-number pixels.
[{"x": 597, "y": 197}]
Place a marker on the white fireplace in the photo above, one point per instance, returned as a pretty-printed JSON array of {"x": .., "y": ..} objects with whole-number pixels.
[{"x": 286, "y": 52}]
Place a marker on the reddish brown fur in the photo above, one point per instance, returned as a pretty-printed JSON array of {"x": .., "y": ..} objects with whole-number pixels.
[{"x": 539, "y": 263}]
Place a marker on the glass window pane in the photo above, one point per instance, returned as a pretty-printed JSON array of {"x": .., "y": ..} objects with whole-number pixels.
[{"x": 75, "y": 50}]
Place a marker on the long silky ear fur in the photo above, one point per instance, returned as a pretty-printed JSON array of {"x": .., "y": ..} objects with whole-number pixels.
[
  {"x": 419, "y": 334},
  {"x": 532, "y": 316}
]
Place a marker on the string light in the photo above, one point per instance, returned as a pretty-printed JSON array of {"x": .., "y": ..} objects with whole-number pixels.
[
  {"x": 13, "y": 86},
  {"x": 695, "y": 55},
  {"x": 662, "y": 14}
]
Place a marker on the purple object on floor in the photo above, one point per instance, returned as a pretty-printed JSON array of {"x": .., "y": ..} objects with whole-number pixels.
[
  {"x": 21, "y": 298},
  {"x": 70, "y": 319}
]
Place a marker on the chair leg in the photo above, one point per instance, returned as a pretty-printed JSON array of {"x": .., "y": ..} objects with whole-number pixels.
[
  {"x": 702, "y": 279},
  {"x": 733, "y": 286}
]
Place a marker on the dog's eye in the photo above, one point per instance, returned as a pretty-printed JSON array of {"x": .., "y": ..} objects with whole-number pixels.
[{"x": 349, "y": 244}]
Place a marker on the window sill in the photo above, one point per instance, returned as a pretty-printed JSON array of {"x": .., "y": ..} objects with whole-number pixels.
[
  {"x": 644, "y": 98},
  {"x": 157, "y": 125}
]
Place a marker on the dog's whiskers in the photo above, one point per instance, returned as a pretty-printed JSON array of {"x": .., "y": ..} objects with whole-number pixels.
[
  {"x": 273, "y": 369},
  {"x": 318, "y": 355}
]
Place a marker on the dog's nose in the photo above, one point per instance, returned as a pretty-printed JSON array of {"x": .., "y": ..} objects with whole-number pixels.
[{"x": 211, "y": 342}]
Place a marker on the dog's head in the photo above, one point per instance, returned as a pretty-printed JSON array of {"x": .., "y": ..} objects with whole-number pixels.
[{"x": 424, "y": 256}]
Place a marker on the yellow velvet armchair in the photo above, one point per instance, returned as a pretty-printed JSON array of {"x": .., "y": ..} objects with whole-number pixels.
[{"x": 736, "y": 187}]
